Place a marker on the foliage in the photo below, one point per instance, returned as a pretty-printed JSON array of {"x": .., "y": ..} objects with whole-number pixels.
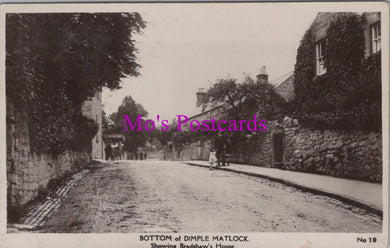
[
  {"x": 164, "y": 136},
  {"x": 54, "y": 62},
  {"x": 305, "y": 70},
  {"x": 344, "y": 50},
  {"x": 134, "y": 139},
  {"x": 348, "y": 94},
  {"x": 243, "y": 99}
]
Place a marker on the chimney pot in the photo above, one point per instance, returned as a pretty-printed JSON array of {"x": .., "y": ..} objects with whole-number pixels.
[
  {"x": 262, "y": 77},
  {"x": 200, "y": 95},
  {"x": 263, "y": 70}
]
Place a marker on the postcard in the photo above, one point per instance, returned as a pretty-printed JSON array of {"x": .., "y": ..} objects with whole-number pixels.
[{"x": 195, "y": 125}]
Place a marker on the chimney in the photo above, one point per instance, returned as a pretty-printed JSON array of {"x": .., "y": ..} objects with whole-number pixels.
[
  {"x": 200, "y": 95},
  {"x": 262, "y": 77}
]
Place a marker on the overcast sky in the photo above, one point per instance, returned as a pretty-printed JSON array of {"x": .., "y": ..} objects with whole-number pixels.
[{"x": 186, "y": 47}]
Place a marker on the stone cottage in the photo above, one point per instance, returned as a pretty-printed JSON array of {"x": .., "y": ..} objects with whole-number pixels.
[
  {"x": 93, "y": 109},
  {"x": 371, "y": 23},
  {"x": 354, "y": 154}
]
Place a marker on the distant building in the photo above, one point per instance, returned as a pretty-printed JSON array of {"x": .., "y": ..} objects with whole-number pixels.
[
  {"x": 116, "y": 142},
  {"x": 93, "y": 109}
]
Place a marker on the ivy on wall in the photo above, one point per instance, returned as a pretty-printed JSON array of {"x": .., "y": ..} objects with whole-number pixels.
[
  {"x": 348, "y": 95},
  {"x": 56, "y": 61}
]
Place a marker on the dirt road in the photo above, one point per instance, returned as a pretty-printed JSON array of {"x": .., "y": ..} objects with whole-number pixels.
[{"x": 170, "y": 196}]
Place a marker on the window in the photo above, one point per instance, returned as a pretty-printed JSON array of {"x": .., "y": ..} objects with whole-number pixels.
[
  {"x": 320, "y": 57},
  {"x": 376, "y": 37}
]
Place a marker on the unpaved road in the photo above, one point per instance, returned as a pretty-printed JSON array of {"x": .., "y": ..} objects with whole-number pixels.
[{"x": 160, "y": 195}]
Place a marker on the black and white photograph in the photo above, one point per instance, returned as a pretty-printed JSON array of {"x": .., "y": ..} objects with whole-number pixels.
[{"x": 218, "y": 125}]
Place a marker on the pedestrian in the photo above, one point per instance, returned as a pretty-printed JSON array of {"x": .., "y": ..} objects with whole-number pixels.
[
  {"x": 108, "y": 151},
  {"x": 115, "y": 153},
  {"x": 145, "y": 155},
  {"x": 228, "y": 151},
  {"x": 219, "y": 145},
  {"x": 212, "y": 157}
]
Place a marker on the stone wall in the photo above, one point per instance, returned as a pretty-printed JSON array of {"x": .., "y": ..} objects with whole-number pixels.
[
  {"x": 159, "y": 155},
  {"x": 28, "y": 172},
  {"x": 346, "y": 154},
  {"x": 195, "y": 151}
]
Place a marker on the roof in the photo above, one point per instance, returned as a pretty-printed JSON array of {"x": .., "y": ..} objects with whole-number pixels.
[
  {"x": 276, "y": 82},
  {"x": 114, "y": 136},
  {"x": 199, "y": 110},
  {"x": 285, "y": 88}
]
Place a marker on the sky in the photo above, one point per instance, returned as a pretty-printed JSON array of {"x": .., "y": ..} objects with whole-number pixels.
[{"x": 186, "y": 47}]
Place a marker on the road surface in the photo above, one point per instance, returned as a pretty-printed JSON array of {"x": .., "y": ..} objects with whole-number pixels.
[{"x": 153, "y": 196}]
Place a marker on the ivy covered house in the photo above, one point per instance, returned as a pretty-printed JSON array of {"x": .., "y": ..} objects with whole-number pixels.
[
  {"x": 370, "y": 26},
  {"x": 338, "y": 71},
  {"x": 337, "y": 102},
  {"x": 330, "y": 121}
]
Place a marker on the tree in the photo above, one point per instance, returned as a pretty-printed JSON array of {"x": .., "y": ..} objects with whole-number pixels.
[
  {"x": 244, "y": 99},
  {"x": 238, "y": 101},
  {"x": 80, "y": 53},
  {"x": 56, "y": 61},
  {"x": 134, "y": 138}
]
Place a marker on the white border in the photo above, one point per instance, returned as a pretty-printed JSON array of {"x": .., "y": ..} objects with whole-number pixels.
[{"x": 265, "y": 239}]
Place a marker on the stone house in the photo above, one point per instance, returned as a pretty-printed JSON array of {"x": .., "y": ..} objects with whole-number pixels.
[
  {"x": 371, "y": 23},
  {"x": 200, "y": 150},
  {"x": 93, "y": 109},
  {"x": 284, "y": 86},
  {"x": 200, "y": 113},
  {"x": 354, "y": 154},
  {"x": 351, "y": 154}
]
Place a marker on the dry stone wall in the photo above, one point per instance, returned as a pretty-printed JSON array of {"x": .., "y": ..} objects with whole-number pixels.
[
  {"x": 194, "y": 151},
  {"x": 28, "y": 172},
  {"x": 348, "y": 154}
]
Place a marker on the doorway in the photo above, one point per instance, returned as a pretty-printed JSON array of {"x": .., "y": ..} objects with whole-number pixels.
[{"x": 278, "y": 149}]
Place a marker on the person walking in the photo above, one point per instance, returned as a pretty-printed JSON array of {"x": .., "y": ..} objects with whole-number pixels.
[
  {"x": 108, "y": 151},
  {"x": 219, "y": 146},
  {"x": 228, "y": 151}
]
